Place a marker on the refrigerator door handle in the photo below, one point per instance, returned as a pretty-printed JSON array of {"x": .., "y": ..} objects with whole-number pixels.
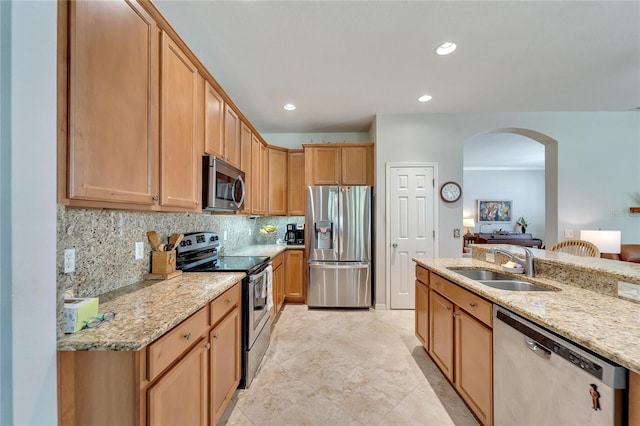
[{"x": 333, "y": 266}]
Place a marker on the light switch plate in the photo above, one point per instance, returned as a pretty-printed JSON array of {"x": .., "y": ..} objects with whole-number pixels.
[
  {"x": 568, "y": 233},
  {"x": 69, "y": 261},
  {"x": 629, "y": 290},
  {"x": 456, "y": 232}
]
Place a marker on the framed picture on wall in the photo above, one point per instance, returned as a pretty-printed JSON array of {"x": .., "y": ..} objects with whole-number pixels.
[{"x": 495, "y": 211}]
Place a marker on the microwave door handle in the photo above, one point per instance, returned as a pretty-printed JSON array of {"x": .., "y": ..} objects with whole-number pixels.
[{"x": 240, "y": 181}]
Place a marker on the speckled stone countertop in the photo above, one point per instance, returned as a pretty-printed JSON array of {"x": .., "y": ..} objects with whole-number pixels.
[
  {"x": 147, "y": 310},
  {"x": 607, "y": 325},
  {"x": 271, "y": 250}
]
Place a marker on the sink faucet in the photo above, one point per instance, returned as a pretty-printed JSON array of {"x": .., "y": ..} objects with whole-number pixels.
[{"x": 527, "y": 263}]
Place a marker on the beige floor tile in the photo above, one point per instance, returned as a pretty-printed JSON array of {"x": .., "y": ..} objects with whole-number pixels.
[{"x": 351, "y": 367}]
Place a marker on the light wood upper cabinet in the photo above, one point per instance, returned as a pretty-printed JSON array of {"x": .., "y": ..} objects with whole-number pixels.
[
  {"x": 296, "y": 189},
  {"x": 339, "y": 164},
  {"x": 112, "y": 104},
  {"x": 294, "y": 284},
  {"x": 231, "y": 136},
  {"x": 277, "y": 181},
  {"x": 264, "y": 177},
  {"x": 246, "y": 165},
  {"x": 179, "y": 144},
  {"x": 213, "y": 122},
  {"x": 257, "y": 190}
]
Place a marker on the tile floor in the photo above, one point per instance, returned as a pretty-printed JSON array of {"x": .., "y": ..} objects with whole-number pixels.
[{"x": 347, "y": 367}]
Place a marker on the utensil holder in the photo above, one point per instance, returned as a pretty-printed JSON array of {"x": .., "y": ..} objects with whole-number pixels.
[{"x": 163, "y": 262}]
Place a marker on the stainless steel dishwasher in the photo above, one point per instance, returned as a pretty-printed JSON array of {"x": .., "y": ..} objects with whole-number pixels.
[{"x": 541, "y": 379}]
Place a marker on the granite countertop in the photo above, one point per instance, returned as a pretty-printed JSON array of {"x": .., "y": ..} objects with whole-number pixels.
[
  {"x": 607, "y": 325},
  {"x": 271, "y": 250},
  {"x": 147, "y": 310}
]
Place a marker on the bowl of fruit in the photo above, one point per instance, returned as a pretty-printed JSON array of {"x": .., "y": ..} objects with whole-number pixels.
[{"x": 268, "y": 231}]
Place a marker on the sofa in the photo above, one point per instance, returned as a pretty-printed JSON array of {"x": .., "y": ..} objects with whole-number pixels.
[{"x": 628, "y": 253}]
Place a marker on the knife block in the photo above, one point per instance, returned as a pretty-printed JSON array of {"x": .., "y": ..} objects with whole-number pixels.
[{"x": 163, "y": 265}]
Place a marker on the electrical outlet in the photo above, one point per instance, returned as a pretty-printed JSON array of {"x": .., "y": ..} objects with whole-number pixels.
[
  {"x": 224, "y": 235},
  {"x": 69, "y": 261},
  {"x": 490, "y": 258},
  {"x": 568, "y": 233},
  {"x": 456, "y": 232},
  {"x": 250, "y": 232},
  {"x": 139, "y": 250}
]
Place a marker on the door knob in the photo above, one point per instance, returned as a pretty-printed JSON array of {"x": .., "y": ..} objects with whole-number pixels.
[{"x": 394, "y": 245}]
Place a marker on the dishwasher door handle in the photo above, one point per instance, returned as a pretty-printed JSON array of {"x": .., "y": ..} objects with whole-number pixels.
[{"x": 537, "y": 348}]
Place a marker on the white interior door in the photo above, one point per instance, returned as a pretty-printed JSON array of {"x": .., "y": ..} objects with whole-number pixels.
[{"x": 411, "y": 228}]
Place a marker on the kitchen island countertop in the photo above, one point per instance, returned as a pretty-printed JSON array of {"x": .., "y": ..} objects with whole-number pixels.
[
  {"x": 147, "y": 310},
  {"x": 607, "y": 325},
  {"x": 271, "y": 250}
]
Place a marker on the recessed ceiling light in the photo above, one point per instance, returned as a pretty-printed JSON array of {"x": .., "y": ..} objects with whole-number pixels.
[
  {"x": 289, "y": 107},
  {"x": 446, "y": 48},
  {"x": 424, "y": 98}
]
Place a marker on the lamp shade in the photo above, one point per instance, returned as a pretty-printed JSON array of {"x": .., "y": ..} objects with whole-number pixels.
[
  {"x": 606, "y": 241},
  {"x": 468, "y": 223}
]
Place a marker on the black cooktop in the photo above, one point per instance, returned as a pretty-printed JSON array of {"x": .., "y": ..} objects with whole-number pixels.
[{"x": 232, "y": 264}]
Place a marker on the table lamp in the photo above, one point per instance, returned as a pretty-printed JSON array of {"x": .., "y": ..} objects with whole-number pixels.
[
  {"x": 606, "y": 241},
  {"x": 468, "y": 223}
]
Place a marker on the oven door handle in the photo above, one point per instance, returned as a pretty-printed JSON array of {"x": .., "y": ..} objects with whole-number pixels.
[
  {"x": 256, "y": 277},
  {"x": 338, "y": 266}
]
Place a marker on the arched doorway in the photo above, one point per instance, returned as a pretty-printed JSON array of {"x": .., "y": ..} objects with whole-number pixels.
[{"x": 550, "y": 165}]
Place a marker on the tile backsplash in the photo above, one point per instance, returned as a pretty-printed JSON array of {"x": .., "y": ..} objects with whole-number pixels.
[{"x": 104, "y": 241}]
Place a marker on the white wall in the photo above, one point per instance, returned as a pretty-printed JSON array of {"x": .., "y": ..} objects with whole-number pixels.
[
  {"x": 295, "y": 140},
  {"x": 33, "y": 213},
  {"x": 524, "y": 187},
  {"x": 598, "y": 159}
]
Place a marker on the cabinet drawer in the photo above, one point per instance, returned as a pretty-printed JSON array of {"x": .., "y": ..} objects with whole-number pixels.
[
  {"x": 224, "y": 303},
  {"x": 164, "y": 351},
  {"x": 470, "y": 302},
  {"x": 277, "y": 261},
  {"x": 422, "y": 274}
]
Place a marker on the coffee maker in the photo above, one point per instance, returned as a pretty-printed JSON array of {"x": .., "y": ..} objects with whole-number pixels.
[{"x": 295, "y": 234}]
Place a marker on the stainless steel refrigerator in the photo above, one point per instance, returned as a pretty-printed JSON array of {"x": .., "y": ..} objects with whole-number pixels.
[{"x": 338, "y": 226}]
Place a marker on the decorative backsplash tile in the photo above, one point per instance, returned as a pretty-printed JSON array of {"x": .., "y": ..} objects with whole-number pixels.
[{"x": 104, "y": 241}]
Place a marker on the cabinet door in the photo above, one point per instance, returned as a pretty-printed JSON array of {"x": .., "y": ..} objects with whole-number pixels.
[
  {"x": 231, "y": 136},
  {"x": 113, "y": 103},
  {"x": 256, "y": 176},
  {"x": 213, "y": 121},
  {"x": 245, "y": 165},
  {"x": 422, "y": 313},
  {"x": 325, "y": 166},
  {"x": 179, "y": 147},
  {"x": 296, "y": 190},
  {"x": 441, "y": 333},
  {"x": 264, "y": 178},
  {"x": 277, "y": 182},
  {"x": 294, "y": 276},
  {"x": 180, "y": 396},
  {"x": 225, "y": 363},
  {"x": 474, "y": 362},
  {"x": 355, "y": 165}
]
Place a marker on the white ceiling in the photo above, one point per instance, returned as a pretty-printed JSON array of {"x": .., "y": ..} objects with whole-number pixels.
[{"x": 342, "y": 62}]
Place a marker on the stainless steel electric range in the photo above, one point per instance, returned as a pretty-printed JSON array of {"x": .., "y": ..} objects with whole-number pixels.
[{"x": 199, "y": 252}]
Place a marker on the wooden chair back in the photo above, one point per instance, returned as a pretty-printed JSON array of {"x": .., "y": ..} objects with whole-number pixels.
[{"x": 577, "y": 248}]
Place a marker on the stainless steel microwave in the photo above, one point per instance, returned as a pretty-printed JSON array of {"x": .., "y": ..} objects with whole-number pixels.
[{"x": 222, "y": 185}]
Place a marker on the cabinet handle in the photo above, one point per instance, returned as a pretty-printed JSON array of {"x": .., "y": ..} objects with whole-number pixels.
[
  {"x": 155, "y": 198},
  {"x": 197, "y": 203},
  {"x": 455, "y": 314},
  {"x": 207, "y": 346},
  {"x": 229, "y": 300},
  {"x": 473, "y": 305},
  {"x": 187, "y": 336},
  {"x": 215, "y": 336},
  {"x": 448, "y": 308}
]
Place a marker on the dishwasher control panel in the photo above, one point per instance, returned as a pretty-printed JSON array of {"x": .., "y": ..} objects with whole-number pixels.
[{"x": 578, "y": 360}]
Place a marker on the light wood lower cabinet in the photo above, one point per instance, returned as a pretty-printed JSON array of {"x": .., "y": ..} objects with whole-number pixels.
[
  {"x": 422, "y": 313},
  {"x": 193, "y": 386},
  {"x": 277, "y": 286},
  {"x": 294, "y": 283},
  {"x": 460, "y": 340},
  {"x": 180, "y": 396}
]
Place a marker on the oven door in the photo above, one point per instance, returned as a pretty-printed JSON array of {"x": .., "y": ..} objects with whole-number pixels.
[{"x": 258, "y": 306}]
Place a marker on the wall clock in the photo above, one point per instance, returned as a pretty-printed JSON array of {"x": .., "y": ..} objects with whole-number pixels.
[{"x": 450, "y": 192}]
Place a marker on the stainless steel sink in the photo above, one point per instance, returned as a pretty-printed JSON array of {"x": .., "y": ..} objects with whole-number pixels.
[
  {"x": 512, "y": 285},
  {"x": 498, "y": 281},
  {"x": 482, "y": 274}
]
